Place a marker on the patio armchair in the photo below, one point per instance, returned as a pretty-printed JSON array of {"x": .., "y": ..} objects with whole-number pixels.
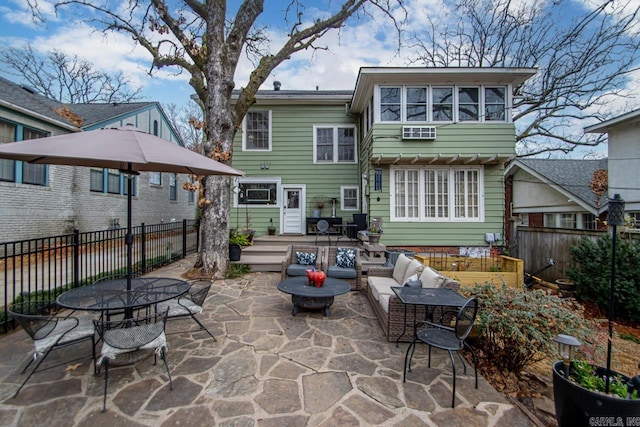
[
  {"x": 188, "y": 305},
  {"x": 339, "y": 264},
  {"x": 49, "y": 332},
  {"x": 450, "y": 335},
  {"x": 300, "y": 258},
  {"x": 360, "y": 220},
  {"x": 138, "y": 333}
]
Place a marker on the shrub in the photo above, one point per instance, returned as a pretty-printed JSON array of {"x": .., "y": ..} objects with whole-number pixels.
[
  {"x": 237, "y": 270},
  {"x": 592, "y": 274},
  {"x": 516, "y": 327}
]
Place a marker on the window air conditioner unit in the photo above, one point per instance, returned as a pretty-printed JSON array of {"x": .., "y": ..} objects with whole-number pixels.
[{"x": 418, "y": 132}]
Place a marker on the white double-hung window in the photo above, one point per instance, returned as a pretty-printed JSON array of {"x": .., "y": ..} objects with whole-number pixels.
[
  {"x": 334, "y": 144},
  {"x": 437, "y": 194}
]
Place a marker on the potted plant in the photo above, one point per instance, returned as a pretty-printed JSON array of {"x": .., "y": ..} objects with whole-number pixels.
[
  {"x": 595, "y": 393},
  {"x": 319, "y": 202},
  {"x": 271, "y": 229},
  {"x": 374, "y": 232},
  {"x": 236, "y": 242},
  {"x": 579, "y": 393}
]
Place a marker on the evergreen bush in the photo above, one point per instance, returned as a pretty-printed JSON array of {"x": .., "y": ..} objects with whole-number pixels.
[{"x": 592, "y": 273}]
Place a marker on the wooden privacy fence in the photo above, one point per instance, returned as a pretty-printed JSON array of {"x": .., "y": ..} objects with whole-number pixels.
[{"x": 536, "y": 245}]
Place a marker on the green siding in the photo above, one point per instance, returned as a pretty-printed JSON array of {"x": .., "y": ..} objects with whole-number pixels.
[
  {"x": 291, "y": 159},
  {"x": 456, "y": 138}
]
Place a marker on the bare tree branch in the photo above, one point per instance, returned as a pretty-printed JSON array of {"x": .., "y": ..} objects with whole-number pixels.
[
  {"x": 200, "y": 38},
  {"x": 583, "y": 57},
  {"x": 67, "y": 79}
]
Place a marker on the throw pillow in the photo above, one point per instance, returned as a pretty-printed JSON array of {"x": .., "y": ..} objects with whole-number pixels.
[
  {"x": 306, "y": 258},
  {"x": 346, "y": 257},
  {"x": 401, "y": 268},
  {"x": 430, "y": 278},
  {"x": 413, "y": 282}
]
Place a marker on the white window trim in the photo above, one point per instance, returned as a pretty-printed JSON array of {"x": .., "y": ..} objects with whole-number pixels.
[
  {"x": 155, "y": 184},
  {"x": 456, "y": 103},
  {"x": 349, "y": 187},
  {"x": 421, "y": 191},
  {"x": 261, "y": 180},
  {"x": 335, "y": 144},
  {"x": 244, "y": 133}
]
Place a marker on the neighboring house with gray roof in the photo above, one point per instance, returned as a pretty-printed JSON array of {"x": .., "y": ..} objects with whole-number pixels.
[
  {"x": 553, "y": 193},
  {"x": 45, "y": 200},
  {"x": 624, "y": 157}
]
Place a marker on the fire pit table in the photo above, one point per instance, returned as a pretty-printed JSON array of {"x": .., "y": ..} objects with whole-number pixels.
[{"x": 306, "y": 296}]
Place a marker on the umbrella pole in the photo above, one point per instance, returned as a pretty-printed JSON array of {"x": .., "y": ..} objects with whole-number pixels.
[{"x": 128, "y": 240}]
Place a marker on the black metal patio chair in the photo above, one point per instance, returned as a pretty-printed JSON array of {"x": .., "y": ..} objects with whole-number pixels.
[
  {"x": 322, "y": 229},
  {"x": 189, "y": 305},
  {"x": 138, "y": 333},
  {"x": 49, "y": 331},
  {"x": 445, "y": 337}
]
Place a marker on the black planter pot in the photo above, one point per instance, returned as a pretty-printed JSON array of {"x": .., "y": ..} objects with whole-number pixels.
[
  {"x": 234, "y": 252},
  {"x": 576, "y": 406}
]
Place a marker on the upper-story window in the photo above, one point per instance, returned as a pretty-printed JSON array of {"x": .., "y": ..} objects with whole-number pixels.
[
  {"x": 495, "y": 104},
  {"x": 257, "y": 131},
  {"x": 468, "y": 104},
  {"x": 442, "y": 110},
  {"x": 416, "y": 104},
  {"x": 334, "y": 144},
  {"x": 412, "y": 104},
  {"x": 7, "y": 167},
  {"x": 390, "y": 104}
]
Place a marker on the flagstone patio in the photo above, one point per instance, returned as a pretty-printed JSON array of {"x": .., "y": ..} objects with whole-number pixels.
[{"x": 268, "y": 368}]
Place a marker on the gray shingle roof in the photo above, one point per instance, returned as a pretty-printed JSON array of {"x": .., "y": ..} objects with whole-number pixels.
[
  {"x": 28, "y": 99},
  {"x": 574, "y": 176},
  {"x": 90, "y": 114},
  {"x": 95, "y": 112}
]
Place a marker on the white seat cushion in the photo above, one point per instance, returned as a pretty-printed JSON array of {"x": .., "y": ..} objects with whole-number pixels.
[
  {"x": 68, "y": 330},
  {"x": 381, "y": 286},
  {"x": 400, "y": 268},
  {"x": 431, "y": 278},
  {"x": 182, "y": 308},
  {"x": 384, "y": 302}
]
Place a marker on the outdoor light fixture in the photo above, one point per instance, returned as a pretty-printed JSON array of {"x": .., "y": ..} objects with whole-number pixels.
[
  {"x": 567, "y": 346},
  {"x": 614, "y": 219}
]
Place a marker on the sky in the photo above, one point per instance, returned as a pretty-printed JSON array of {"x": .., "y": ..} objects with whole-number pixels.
[{"x": 364, "y": 41}]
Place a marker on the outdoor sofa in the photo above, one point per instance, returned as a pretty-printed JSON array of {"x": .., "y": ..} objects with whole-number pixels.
[{"x": 388, "y": 308}]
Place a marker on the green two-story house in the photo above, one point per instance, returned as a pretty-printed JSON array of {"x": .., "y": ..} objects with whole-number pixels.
[{"x": 422, "y": 148}]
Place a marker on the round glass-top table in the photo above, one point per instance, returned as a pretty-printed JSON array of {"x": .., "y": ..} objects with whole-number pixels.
[{"x": 112, "y": 295}]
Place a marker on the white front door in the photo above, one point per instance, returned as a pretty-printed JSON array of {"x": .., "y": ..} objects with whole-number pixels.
[{"x": 292, "y": 210}]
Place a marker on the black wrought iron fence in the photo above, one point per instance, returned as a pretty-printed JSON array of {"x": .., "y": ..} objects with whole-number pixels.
[{"x": 45, "y": 267}]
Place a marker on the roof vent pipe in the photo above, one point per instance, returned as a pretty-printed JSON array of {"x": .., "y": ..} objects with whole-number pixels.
[{"x": 276, "y": 85}]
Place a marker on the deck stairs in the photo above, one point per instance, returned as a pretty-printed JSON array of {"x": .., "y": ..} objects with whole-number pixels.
[{"x": 267, "y": 252}]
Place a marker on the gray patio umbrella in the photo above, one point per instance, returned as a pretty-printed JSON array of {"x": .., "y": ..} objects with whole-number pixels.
[{"x": 125, "y": 148}]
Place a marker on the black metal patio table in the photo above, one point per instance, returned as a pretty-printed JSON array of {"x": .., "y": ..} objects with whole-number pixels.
[
  {"x": 112, "y": 295},
  {"x": 430, "y": 298},
  {"x": 306, "y": 296}
]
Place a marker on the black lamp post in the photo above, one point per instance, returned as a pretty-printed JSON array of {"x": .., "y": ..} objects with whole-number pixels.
[{"x": 614, "y": 219}]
